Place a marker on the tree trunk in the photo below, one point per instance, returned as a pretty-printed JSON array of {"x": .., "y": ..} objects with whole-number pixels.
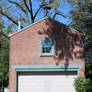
[
  {"x": 26, "y": 13},
  {"x": 32, "y": 20}
]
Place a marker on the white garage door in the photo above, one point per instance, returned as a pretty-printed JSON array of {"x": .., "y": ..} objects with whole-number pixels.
[{"x": 46, "y": 82}]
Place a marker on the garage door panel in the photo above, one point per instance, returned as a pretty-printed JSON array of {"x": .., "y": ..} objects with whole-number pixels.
[{"x": 46, "y": 82}]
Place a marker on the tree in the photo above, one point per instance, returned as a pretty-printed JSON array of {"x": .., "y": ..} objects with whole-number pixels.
[
  {"x": 25, "y": 9},
  {"x": 10, "y": 9},
  {"x": 4, "y": 57},
  {"x": 82, "y": 21}
]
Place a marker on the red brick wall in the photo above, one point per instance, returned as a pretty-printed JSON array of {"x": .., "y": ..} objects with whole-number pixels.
[{"x": 25, "y": 47}]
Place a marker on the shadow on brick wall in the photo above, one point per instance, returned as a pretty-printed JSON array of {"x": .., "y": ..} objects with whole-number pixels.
[{"x": 65, "y": 41}]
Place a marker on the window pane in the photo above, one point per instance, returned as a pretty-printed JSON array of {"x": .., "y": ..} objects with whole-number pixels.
[
  {"x": 47, "y": 43},
  {"x": 48, "y": 49},
  {"x": 43, "y": 49}
]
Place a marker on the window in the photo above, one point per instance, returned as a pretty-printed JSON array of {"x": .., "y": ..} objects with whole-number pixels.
[{"x": 46, "y": 48}]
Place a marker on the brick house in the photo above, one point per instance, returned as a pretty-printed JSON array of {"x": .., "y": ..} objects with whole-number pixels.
[{"x": 45, "y": 56}]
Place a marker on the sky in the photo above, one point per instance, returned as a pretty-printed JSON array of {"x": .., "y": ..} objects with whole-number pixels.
[{"x": 64, "y": 8}]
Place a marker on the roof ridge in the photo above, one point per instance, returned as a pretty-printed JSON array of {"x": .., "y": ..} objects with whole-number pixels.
[
  {"x": 14, "y": 33},
  {"x": 10, "y": 35}
]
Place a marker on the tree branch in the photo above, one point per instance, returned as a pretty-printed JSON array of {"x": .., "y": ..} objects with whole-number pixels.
[
  {"x": 58, "y": 13},
  {"x": 30, "y": 10},
  {"x": 4, "y": 14},
  {"x": 8, "y": 17},
  {"x": 24, "y": 10},
  {"x": 27, "y": 17},
  {"x": 5, "y": 35},
  {"x": 37, "y": 12},
  {"x": 17, "y": 5},
  {"x": 26, "y": 5},
  {"x": 32, "y": 18}
]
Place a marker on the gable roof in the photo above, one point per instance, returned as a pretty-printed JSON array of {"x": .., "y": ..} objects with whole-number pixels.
[{"x": 14, "y": 33}]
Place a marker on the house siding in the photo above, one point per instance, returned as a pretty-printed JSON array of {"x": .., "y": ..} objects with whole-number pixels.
[{"x": 25, "y": 47}]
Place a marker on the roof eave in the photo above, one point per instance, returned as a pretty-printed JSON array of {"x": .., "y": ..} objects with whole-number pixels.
[{"x": 10, "y": 35}]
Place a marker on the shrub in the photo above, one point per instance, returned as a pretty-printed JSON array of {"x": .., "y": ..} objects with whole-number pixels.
[{"x": 83, "y": 85}]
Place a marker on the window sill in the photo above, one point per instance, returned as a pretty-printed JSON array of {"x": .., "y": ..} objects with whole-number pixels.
[{"x": 42, "y": 55}]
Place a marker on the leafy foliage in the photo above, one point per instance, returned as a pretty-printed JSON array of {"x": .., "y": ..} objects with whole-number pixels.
[
  {"x": 89, "y": 70},
  {"x": 4, "y": 57},
  {"x": 4, "y": 63},
  {"x": 83, "y": 85},
  {"x": 82, "y": 21}
]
